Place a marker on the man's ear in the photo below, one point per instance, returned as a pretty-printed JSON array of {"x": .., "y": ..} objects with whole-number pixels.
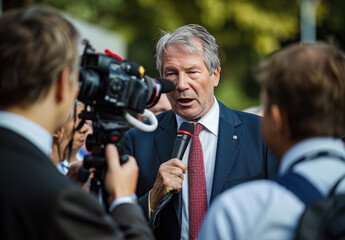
[
  {"x": 62, "y": 84},
  {"x": 279, "y": 119},
  {"x": 215, "y": 77}
]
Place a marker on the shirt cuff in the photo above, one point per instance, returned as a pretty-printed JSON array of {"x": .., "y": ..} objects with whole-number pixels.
[{"x": 127, "y": 199}]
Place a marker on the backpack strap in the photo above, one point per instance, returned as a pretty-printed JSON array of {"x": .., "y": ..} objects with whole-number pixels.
[
  {"x": 300, "y": 186},
  {"x": 332, "y": 192}
]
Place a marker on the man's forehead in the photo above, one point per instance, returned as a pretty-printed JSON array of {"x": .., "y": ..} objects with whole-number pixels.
[{"x": 191, "y": 46}]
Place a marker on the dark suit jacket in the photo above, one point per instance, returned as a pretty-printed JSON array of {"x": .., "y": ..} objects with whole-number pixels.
[
  {"x": 237, "y": 160},
  {"x": 36, "y": 202}
]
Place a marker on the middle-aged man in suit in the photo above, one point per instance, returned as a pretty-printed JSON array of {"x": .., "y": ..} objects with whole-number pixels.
[
  {"x": 303, "y": 88},
  {"x": 38, "y": 86},
  {"x": 233, "y": 150}
]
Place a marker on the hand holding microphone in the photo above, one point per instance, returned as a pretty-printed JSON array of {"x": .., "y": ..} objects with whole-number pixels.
[{"x": 170, "y": 174}]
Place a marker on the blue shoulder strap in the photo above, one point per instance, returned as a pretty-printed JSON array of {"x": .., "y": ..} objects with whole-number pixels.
[{"x": 300, "y": 186}]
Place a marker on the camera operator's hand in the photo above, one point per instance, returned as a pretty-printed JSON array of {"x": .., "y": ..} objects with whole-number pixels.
[
  {"x": 73, "y": 170},
  {"x": 73, "y": 174},
  {"x": 120, "y": 180},
  {"x": 170, "y": 177}
]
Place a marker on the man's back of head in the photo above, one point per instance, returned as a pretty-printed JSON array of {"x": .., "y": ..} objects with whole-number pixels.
[
  {"x": 36, "y": 44},
  {"x": 306, "y": 81}
]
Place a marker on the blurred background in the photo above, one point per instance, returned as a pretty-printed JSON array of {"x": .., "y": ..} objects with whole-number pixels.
[{"x": 246, "y": 31}]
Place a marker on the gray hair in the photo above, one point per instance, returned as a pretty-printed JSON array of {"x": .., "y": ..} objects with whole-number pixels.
[{"x": 185, "y": 36}]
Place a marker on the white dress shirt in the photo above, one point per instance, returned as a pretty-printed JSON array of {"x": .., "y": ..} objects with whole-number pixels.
[
  {"x": 208, "y": 138},
  {"x": 264, "y": 209}
]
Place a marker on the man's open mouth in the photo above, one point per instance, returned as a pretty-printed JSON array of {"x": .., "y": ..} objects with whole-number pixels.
[{"x": 185, "y": 100}]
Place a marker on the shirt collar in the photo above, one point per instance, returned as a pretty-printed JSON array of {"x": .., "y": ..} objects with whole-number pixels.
[
  {"x": 210, "y": 121},
  {"x": 28, "y": 129},
  {"x": 309, "y": 147}
]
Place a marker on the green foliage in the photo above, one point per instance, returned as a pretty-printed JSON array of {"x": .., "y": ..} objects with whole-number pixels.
[{"x": 246, "y": 31}]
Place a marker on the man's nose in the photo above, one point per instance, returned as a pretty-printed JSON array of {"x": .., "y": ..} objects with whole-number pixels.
[{"x": 182, "y": 82}]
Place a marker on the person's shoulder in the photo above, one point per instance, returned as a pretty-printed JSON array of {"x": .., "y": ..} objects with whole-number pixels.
[
  {"x": 259, "y": 188},
  {"x": 236, "y": 115},
  {"x": 246, "y": 115},
  {"x": 257, "y": 194},
  {"x": 242, "y": 207}
]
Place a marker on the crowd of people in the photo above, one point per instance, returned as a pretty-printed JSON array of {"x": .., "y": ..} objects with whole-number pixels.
[{"x": 222, "y": 186}]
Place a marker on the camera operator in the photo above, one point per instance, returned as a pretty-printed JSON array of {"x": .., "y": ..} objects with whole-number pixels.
[{"x": 38, "y": 86}]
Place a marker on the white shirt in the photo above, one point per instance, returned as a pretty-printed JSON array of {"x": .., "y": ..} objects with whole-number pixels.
[
  {"x": 263, "y": 209},
  {"x": 28, "y": 129},
  {"x": 63, "y": 166},
  {"x": 208, "y": 138}
]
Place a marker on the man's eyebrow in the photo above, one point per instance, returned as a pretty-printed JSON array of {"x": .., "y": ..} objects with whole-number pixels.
[
  {"x": 192, "y": 67},
  {"x": 185, "y": 68},
  {"x": 169, "y": 68}
]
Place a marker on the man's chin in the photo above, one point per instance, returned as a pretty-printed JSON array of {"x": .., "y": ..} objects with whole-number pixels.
[{"x": 190, "y": 116}]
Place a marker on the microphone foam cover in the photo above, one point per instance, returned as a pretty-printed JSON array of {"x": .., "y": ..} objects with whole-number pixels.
[
  {"x": 188, "y": 127},
  {"x": 167, "y": 85}
]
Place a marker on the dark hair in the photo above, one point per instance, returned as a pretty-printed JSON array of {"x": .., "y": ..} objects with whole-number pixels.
[
  {"x": 308, "y": 82},
  {"x": 36, "y": 44}
]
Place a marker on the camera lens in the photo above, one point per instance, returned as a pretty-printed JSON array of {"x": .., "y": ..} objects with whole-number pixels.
[{"x": 89, "y": 82}]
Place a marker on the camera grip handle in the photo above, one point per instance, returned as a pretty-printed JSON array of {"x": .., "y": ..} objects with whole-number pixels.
[
  {"x": 83, "y": 174},
  {"x": 142, "y": 126}
]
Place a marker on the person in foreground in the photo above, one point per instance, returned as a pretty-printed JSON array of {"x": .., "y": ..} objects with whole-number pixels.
[
  {"x": 232, "y": 150},
  {"x": 303, "y": 90},
  {"x": 38, "y": 86}
]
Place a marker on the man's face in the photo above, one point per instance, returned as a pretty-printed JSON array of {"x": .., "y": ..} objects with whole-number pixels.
[
  {"x": 266, "y": 120},
  {"x": 68, "y": 92},
  {"x": 270, "y": 127},
  {"x": 194, "y": 94},
  {"x": 73, "y": 91}
]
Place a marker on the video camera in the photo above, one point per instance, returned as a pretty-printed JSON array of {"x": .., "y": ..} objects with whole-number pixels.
[{"x": 110, "y": 87}]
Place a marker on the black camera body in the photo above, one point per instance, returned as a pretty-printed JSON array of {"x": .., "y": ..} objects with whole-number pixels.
[
  {"x": 109, "y": 87},
  {"x": 113, "y": 85}
]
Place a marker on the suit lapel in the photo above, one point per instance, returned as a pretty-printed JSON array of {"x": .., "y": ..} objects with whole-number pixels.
[
  {"x": 165, "y": 138},
  {"x": 230, "y": 138}
]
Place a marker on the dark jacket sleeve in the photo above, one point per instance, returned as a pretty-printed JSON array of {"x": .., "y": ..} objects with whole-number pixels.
[
  {"x": 142, "y": 200},
  {"x": 78, "y": 215}
]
